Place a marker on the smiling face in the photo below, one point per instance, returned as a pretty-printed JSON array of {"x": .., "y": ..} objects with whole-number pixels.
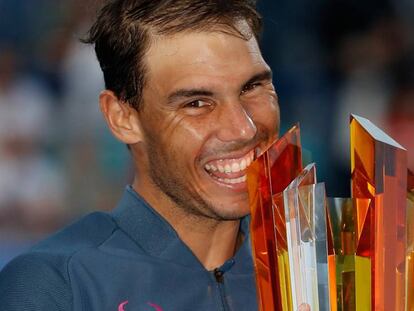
[{"x": 209, "y": 102}]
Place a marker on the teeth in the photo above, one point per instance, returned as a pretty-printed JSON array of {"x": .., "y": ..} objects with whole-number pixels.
[
  {"x": 235, "y": 167},
  {"x": 243, "y": 165},
  {"x": 233, "y": 180},
  {"x": 230, "y": 166}
]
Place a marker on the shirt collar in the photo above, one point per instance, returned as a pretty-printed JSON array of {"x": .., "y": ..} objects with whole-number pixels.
[{"x": 159, "y": 239}]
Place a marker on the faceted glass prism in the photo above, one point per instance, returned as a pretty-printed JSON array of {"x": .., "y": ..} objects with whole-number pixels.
[
  {"x": 379, "y": 173},
  {"x": 304, "y": 204},
  {"x": 410, "y": 243},
  {"x": 353, "y": 272},
  {"x": 267, "y": 176}
]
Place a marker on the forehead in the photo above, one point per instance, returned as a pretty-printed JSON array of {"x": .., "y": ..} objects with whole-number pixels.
[{"x": 193, "y": 57}]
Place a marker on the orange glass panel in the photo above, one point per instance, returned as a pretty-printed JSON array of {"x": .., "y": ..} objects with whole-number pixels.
[
  {"x": 331, "y": 262},
  {"x": 410, "y": 181},
  {"x": 263, "y": 241},
  {"x": 410, "y": 281},
  {"x": 269, "y": 175},
  {"x": 332, "y": 282},
  {"x": 410, "y": 244},
  {"x": 379, "y": 173}
]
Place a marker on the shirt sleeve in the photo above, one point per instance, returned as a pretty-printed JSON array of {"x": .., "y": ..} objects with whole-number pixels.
[{"x": 35, "y": 282}]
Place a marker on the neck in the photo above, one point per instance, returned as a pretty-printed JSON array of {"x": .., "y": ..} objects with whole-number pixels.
[{"x": 212, "y": 241}]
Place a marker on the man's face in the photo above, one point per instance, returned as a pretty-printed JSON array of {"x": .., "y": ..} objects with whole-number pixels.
[{"x": 208, "y": 104}]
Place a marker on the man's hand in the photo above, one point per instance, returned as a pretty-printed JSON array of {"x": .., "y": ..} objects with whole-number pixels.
[{"x": 304, "y": 307}]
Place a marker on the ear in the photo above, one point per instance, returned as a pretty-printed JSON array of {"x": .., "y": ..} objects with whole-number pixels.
[{"x": 121, "y": 118}]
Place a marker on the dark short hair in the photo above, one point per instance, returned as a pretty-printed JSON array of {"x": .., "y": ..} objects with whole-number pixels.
[{"x": 122, "y": 34}]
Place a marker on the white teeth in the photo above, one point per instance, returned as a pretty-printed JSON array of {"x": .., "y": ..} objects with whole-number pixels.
[
  {"x": 243, "y": 165},
  {"x": 230, "y": 166},
  {"x": 235, "y": 167},
  {"x": 233, "y": 180},
  {"x": 249, "y": 160}
]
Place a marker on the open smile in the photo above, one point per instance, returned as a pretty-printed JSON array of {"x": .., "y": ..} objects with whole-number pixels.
[{"x": 230, "y": 171}]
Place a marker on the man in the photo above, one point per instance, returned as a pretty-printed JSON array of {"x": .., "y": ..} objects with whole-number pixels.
[{"x": 188, "y": 91}]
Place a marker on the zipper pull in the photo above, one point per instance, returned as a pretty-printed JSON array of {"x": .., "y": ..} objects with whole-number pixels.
[{"x": 218, "y": 274}]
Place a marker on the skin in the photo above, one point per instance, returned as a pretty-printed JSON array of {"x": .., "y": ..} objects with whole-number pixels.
[
  {"x": 304, "y": 307},
  {"x": 208, "y": 96}
]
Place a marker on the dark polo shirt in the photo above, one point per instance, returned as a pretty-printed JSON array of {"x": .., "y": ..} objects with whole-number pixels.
[{"x": 129, "y": 259}]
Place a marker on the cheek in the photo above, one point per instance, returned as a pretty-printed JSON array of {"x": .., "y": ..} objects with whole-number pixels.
[
  {"x": 187, "y": 138},
  {"x": 194, "y": 131},
  {"x": 167, "y": 131},
  {"x": 264, "y": 110}
]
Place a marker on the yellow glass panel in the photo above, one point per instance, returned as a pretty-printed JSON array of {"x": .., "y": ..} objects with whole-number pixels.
[
  {"x": 353, "y": 272},
  {"x": 286, "y": 287},
  {"x": 362, "y": 280}
]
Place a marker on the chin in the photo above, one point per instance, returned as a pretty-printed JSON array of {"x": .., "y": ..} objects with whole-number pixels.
[{"x": 231, "y": 212}]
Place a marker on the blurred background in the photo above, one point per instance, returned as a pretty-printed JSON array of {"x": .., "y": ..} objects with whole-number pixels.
[{"x": 58, "y": 161}]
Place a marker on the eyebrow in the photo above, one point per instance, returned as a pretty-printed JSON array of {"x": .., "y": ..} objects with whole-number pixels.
[
  {"x": 187, "y": 93},
  {"x": 261, "y": 76}
]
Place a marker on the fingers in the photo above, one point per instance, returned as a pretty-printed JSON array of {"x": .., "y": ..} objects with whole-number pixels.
[{"x": 304, "y": 307}]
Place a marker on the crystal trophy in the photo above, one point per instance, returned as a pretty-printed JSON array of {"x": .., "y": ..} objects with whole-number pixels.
[{"x": 334, "y": 254}]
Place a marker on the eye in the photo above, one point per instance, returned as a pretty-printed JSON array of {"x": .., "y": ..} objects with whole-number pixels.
[
  {"x": 197, "y": 104},
  {"x": 250, "y": 87}
]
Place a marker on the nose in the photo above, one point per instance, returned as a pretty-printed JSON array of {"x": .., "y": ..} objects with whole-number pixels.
[{"x": 235, "y": 124}]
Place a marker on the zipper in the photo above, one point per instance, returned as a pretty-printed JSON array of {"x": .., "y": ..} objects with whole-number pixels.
[{"x": 218, "y": 274}]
